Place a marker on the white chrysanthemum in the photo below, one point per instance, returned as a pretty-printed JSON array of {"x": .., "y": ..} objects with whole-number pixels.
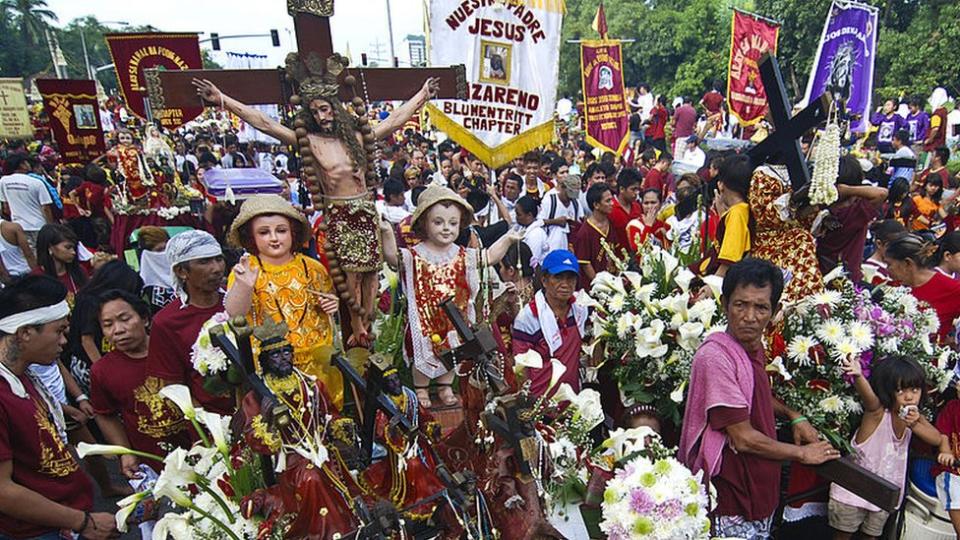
[
  {"x": 625, "y": 324},
  {"x": 889, "y": 345},
  {"x": 827, "y": 298},
  {"x": 852, "y": 405},
  {"x": 831, "y": 404},
  {"x": 799, "y": 349},
  {"x": 617, "y": 303},
  {"x": 932, "y": 325},
  {"x": 831, "y": 331},
  {"x": 845, "y": 348},
  {"x": 860, "y": 334}
]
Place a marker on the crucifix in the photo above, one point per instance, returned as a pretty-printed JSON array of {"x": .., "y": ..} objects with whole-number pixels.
[
  {"x": 782, "y": 147},
  {"x": 4, "y": 96},
  {"x": 337, "y": 148}
]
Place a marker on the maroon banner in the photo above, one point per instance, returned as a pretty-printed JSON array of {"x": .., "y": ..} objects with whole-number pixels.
[
  {"x": 133, "y": 53},
  {"x": 750, "y": 38},
  {"x": 605, "y": 104},
  {"x": 74, "y": 118}
]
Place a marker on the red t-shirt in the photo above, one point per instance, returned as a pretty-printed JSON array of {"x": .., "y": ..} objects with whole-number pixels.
[
  {"x": 712, "y": 101},
  {"x": 748, "y": 485},
  {"x": 943, "y": 294},
  {"x": 585, "y": 244},
  {"x": 658, "y": 121},
  {"x": 948, "y": 423},
  {"x": 685, "y": 121},
  {"x": 90, "y": 196},
  {"x": 619, "y": 216},
  {"x": 41, "y": 460},
  {"x": 655, "y": 179},
  {"x": 174, "y": 331},
  {"x": 119, "y": 386}
]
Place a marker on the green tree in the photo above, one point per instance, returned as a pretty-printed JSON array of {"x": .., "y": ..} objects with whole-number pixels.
[{"x": 34, "y": 18}]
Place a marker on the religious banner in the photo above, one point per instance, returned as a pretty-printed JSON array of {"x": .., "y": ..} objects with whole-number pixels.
[
  {"x": 74, "y": 118},
  {"x": 605, "y": 104},
  {"x": 750, "y": 37},
  {"x": 511, "y": 51},
  {"x": 133, "y": 53},
  {"x": 845, "y": 58},
  {"x": 14, "y": 116}
]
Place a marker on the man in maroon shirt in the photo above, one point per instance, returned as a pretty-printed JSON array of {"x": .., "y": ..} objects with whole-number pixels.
[
  {"x": 747, "y": 479},
  {"x": 43, "y": 491},
  {"x": 197, "y": 263},
  {"x": 585, "y": 242},
  {"x": 656, "y": 125},
  {"x": 625, "y": 205},
  {"x": 684, "y": 124},
  {"x": 658, "y": 175}
]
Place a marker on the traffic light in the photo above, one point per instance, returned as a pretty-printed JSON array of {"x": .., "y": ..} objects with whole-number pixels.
[
  {"x": 215, "y": 41},
  {"x": 275, "y": 38}
]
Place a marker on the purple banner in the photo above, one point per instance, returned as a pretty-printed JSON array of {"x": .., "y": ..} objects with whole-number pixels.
[{"x": 845, "y": 58}]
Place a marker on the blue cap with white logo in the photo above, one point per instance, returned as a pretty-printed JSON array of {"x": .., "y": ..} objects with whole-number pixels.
[{"x": 559, "y": 261}]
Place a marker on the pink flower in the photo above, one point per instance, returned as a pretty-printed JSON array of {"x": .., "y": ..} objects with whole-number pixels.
[{"x": 640, "y": 501}]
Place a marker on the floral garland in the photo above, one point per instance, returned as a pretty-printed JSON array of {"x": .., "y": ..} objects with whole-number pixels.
[{"x": 826, "y": 166}]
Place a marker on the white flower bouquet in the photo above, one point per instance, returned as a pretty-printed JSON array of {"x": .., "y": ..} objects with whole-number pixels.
[{"x": 650, "y": 327}]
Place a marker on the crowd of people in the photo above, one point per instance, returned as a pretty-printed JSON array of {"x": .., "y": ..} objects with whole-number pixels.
[{"x": 89, "y": 334}]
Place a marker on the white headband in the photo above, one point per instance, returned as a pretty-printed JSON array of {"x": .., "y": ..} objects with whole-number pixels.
[{"x": 40, "y": 315}]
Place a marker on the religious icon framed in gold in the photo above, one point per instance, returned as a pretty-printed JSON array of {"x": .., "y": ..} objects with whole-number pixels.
[
  {"x": 84, "y": 114},
  {"x": 495, "y": 62}
]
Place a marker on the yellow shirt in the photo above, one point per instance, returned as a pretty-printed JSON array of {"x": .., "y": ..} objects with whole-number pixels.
[{"x": 736, "y": 233}]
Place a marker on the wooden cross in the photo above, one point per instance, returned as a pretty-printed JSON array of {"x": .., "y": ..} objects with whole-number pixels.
[
  {"x": 311, "y": 20},
  {"x": 782, "y": 147},
  {"x": 4, "y": 96}
]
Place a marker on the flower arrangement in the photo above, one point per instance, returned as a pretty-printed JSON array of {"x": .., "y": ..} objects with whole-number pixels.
[
  {"x": 843, "y": 321},
  {"x": 206, "y": 482},
  {"x": 651, "y": 494},
  {"x": 206, "y": 357},
  {"x": 651, "y": 327}
]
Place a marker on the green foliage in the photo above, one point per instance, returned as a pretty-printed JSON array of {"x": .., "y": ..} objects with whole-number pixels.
[{"x": 683, "y": 45}]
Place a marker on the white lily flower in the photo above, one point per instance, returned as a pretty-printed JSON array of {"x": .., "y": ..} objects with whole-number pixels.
[
  {"x": 607, "y": 283},
  {"x": 677, "y": 395},
  {"x": 691, "y": 335},
  {"x": 777, "y": 366},
  {"x": 557, "y": 371},
  {"x": 683, "y": 279},
  {"x": 835, "y": 273},
  {"x": 588, "y": 405},
  {"x": 173, "y": 525},
  {"x": 166, "y": 487},
  {"x": 670, "y": 262},
  {"x": 127, "y": 506},
  {"x": 530, "y": 359},
  {"x": 219, "y": 427},
  {"x": 584, "y": 299},
  {"x": 627, "y": 441},
  {"x": 84, "y": 450},
  {"x": 635, "y": 279},
  {"x": 715, "y": 283},
  {"x": 176, "y": 470},
  {"x": 564, "y": 393},
  {"x": 180, "y": 396}
]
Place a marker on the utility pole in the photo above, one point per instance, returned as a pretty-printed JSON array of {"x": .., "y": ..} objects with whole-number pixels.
[
  {"x": 393, "y": 55},
  {"x": 86, "y": 58}
]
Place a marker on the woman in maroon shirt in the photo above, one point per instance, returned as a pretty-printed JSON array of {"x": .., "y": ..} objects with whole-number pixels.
[
  {"x": 910, "y": 261},
  {"x": 57, "y": 257}
]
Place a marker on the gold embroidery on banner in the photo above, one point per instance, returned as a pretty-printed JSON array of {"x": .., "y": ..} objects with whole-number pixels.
[{"x": 55, "y": 460}]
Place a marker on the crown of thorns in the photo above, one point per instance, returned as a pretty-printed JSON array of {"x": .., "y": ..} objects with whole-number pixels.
[{"x": 316, "y": 79}]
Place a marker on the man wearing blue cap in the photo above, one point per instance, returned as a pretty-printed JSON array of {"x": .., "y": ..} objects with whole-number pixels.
[{"x": 552, "y": 325}]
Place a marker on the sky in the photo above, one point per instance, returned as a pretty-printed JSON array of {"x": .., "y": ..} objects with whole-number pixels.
[{"x": 357, "y": 23}]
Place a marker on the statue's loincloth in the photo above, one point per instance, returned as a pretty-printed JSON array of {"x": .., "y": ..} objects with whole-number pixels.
[{"x": 354, "y": 233}]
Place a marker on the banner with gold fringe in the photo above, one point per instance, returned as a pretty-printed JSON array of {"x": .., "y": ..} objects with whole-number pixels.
[
  {"x": 511, "y": 50},
  {"x": 605, "y": 112},
  {"x": 74, "y": 116}
]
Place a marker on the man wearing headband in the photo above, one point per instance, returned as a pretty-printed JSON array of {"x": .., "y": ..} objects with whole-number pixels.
[
  {"x": 43, "y": 490},
  {"x": 197, "y": 265}
]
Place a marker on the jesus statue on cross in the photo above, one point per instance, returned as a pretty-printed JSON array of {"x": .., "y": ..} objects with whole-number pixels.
[{"x": 338, "y": 150}]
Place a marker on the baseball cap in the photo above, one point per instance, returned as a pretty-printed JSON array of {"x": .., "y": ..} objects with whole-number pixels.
[
  {"x": 693, "y": 139},
  {"x": 559, "y": 261}
]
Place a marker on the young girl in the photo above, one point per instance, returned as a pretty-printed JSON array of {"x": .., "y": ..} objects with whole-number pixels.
[
  {"x": 891, "y": 413},
  {"x": 434, "y": 271},
  {"x": 647, "y": 226},
  {"x": 733, "y": 232},
  {"x": 57, "y": 258},
  {"x": 928, "y": 204},
  {"x": 273, "y": 279},
  {"x": 899, "y": 205},
  {"x": 875, "y": 268}
]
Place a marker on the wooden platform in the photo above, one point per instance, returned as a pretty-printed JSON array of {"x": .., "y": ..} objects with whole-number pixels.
[{"x": 449, "y": 416}]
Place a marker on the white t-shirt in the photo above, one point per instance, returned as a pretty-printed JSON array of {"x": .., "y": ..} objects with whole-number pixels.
[
  {"x": 26, "y": 197},
  {"x": 536, "y": 239},
  {"x": 553, "y": 208}
]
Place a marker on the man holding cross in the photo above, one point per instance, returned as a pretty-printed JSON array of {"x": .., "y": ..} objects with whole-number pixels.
[{"x": 337, "y": 147}]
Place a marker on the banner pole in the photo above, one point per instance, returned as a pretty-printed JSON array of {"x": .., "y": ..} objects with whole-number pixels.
[{"x": 758, "y": 16}]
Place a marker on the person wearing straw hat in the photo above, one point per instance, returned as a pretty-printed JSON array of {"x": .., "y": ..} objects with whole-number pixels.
[
  {"x": 434, "y": 271},
  {"x": 273, "y": 279}
]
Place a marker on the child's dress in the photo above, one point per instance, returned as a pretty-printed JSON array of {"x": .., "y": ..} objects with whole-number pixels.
[{"x": 884, "y": 455}]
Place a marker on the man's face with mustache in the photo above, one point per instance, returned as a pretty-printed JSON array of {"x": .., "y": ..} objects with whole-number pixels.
[{"x": 324, "y": 115}]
